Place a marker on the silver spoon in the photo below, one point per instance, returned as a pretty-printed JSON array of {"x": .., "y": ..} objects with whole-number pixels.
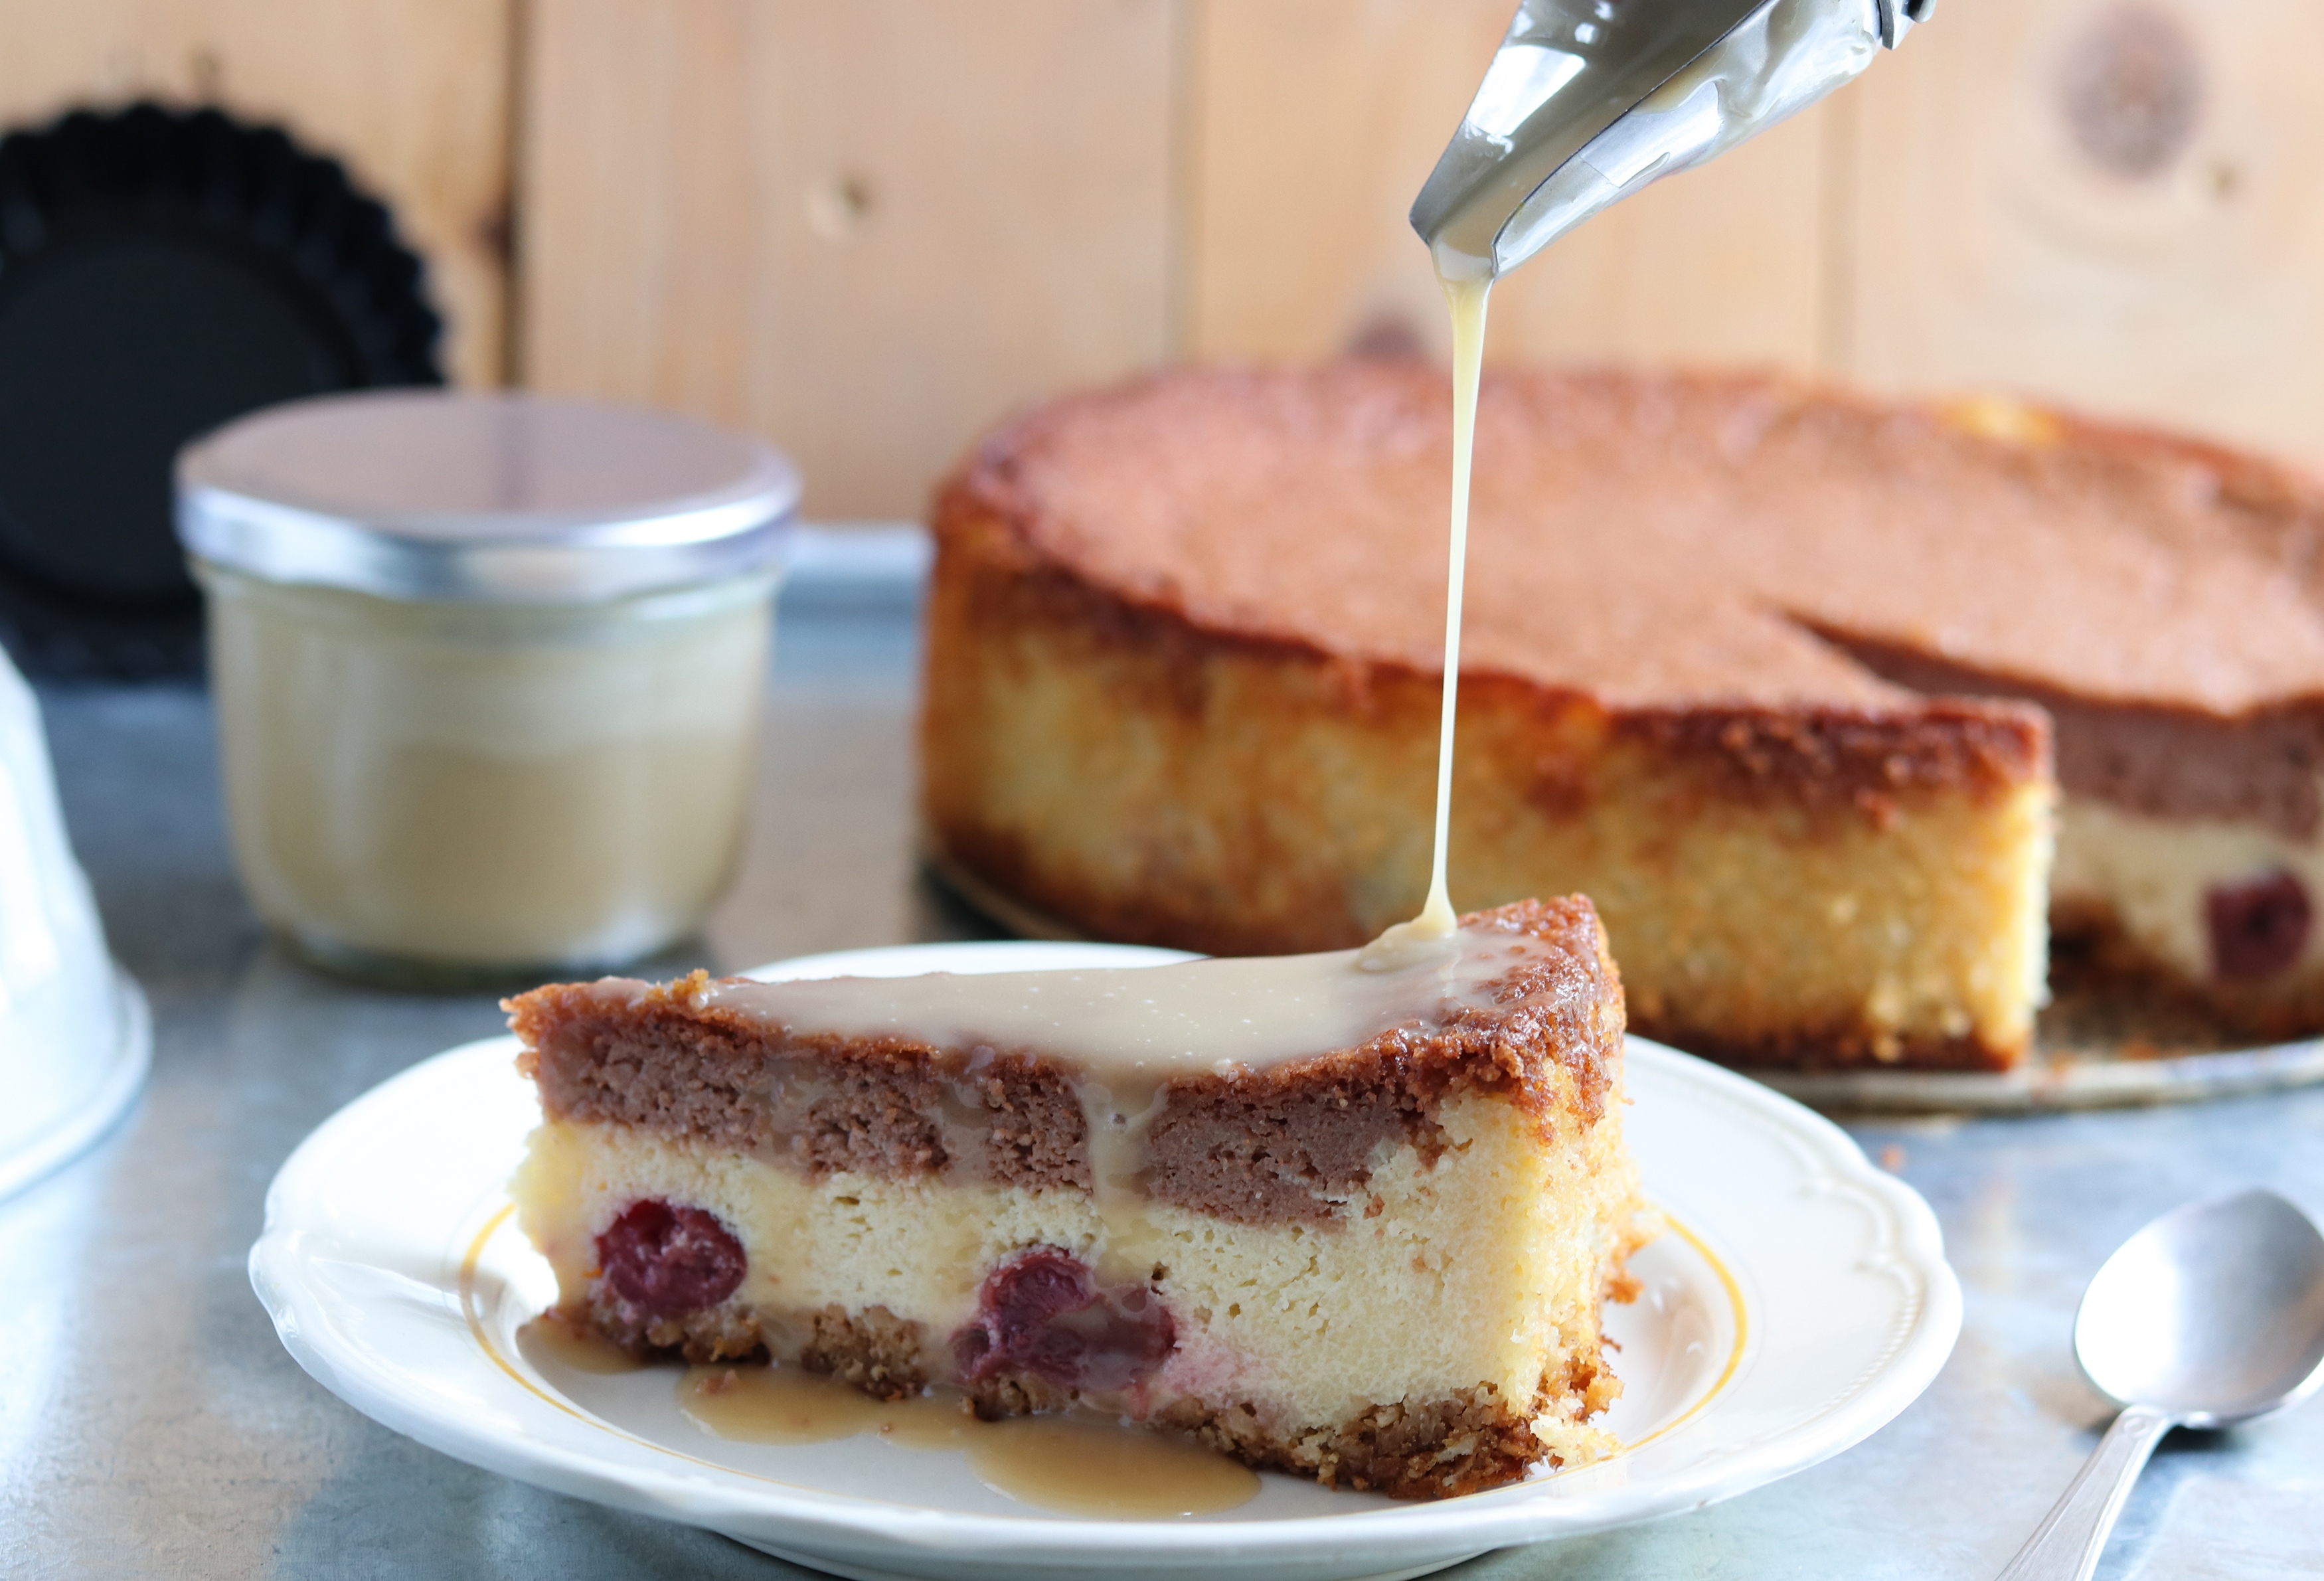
[{"x": 2212, "y": 1314}]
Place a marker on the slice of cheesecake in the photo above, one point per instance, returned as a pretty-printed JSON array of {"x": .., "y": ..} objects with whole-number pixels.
[{"x": 1350, "y": 1215}]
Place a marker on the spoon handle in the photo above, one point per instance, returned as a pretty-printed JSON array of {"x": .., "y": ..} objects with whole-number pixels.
[{"x": 2066, "y": 1546}]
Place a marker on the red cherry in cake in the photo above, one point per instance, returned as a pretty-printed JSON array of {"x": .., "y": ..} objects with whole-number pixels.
[
  {"x": 1042, "y": 1312},
  {"x": 661, "y": 1259},
  {"x": 2257, "y": 928}
]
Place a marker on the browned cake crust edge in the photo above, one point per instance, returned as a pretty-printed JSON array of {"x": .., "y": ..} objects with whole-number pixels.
[
  {"x": 1265, "y": 1146},
  {"x": 1402, "y": 1449},
  {"x": 2161, "y": 760}
]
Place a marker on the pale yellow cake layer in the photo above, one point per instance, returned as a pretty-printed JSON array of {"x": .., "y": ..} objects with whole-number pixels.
[{"x": 1485, "y": 1268}]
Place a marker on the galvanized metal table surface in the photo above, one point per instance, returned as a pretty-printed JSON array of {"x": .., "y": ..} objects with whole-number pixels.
[{"x": 150, "y": 1424}]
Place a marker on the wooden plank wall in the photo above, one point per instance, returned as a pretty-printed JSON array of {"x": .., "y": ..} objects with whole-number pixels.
[
  {"x": 2116, "y": 202},
  {"x": 871, "y": 230},
  {"x": 866, "y": 230},
  {"x": 869, "y": 239}
]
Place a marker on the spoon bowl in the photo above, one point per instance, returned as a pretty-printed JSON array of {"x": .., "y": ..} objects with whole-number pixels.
[{"x": 2213, "y": 1314}]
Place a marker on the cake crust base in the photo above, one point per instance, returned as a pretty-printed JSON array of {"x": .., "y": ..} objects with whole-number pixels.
[
  {"x": 2094, "y": 951},
  {"x": 1463, "y": 1443}
]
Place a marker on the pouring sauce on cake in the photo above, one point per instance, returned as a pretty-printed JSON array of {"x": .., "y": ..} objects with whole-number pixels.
[
  {"x": 1350, "y": 1215},
  {"x": 1231, "y": 1113}
]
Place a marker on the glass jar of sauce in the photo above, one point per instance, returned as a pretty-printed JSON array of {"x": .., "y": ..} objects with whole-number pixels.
[{"x": 488, "y": 672}]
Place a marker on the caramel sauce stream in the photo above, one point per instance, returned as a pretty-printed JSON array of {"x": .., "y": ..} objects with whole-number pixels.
[{"x": 1466, "y": 297}]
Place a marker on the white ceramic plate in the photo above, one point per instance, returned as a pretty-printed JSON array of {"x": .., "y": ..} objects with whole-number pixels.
[{"x": 1801, "y": 1302}]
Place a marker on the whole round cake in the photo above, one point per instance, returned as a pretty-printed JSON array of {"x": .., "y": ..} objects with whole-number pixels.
[{"x": 1794, "y": 684}]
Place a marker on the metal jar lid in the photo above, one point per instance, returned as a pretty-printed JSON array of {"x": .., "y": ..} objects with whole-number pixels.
[{"x": 482, "y": 498}]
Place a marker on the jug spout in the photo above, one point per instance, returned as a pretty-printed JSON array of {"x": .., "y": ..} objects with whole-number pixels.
[{"x": 1586, "y": 101}]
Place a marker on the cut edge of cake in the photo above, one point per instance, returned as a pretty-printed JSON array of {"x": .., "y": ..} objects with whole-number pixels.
[{"x": 1379, "y": 1266}]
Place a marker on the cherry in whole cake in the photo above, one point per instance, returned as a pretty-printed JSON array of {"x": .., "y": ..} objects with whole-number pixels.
[
  {"x": 1792, "y": 682},
  {"x": 1351, "y": 1214}
]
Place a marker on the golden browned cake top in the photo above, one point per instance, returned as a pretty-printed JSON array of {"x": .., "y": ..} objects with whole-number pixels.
[{"x": 1658, "y": 539}]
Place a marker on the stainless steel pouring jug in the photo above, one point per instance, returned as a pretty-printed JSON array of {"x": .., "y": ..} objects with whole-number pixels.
[{"x": 1587, "y": 101}]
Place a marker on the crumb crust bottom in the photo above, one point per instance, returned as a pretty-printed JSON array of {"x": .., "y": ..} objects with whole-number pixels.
[{"x": 1465, "y": 1442}]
